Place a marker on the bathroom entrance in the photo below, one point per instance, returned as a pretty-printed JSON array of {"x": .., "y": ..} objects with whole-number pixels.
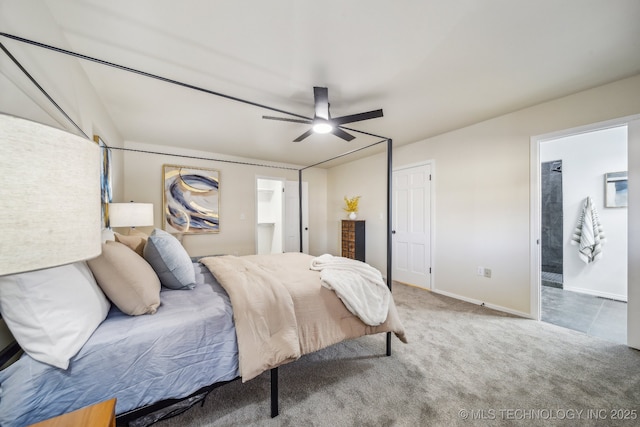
[{"x": 587, "y": 294}]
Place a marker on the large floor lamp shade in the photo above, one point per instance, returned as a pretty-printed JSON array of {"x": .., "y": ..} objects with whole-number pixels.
[{"x": 50, "y": 211}]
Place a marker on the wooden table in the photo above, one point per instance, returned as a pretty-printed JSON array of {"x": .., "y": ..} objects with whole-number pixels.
[{"x": 99, "y": 415}]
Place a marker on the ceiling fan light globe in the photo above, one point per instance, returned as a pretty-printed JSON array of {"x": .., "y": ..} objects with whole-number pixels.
[{"x": 322, "y": 127}]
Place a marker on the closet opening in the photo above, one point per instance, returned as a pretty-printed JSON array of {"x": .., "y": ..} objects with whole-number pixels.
[{"x": 269, "y": 215}]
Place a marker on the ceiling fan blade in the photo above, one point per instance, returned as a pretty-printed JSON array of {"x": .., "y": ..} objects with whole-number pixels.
[
  {"x": 285, "y": 119},
  {"x": 357, "y": 117},
  {"x": 342, "y": 134},
  {"x": 303, "y": 136},
  {"x": 321, "y": 101}
]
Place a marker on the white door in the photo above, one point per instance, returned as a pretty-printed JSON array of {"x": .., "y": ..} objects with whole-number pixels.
[
  {"x": 412, "y": 225},
  {"x": 292, "y": 219}
]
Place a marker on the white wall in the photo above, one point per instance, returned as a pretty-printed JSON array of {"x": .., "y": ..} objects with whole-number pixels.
[
  {"x": 365, "y": 178},
  {"x": 586, "y": 157},
  {"x": 143, "y": 183},
  {"x": 482, "y": 186}
]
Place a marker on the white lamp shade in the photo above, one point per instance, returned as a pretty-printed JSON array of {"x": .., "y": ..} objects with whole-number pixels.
[
  {"x": 49, "y": 196},
  {"x": 130, "y": 214}
]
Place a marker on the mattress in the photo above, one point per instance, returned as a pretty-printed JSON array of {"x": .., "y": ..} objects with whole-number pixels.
[{"x": 189, "y": 343}]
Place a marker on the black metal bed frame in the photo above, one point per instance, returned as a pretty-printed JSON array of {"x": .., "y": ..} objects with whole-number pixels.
[{"x": 125, "y": 418}]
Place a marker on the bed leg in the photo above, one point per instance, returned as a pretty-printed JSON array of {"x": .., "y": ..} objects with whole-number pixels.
[
  {"x": 388, "y": 343},
  {"x": 274, "y": 392}
]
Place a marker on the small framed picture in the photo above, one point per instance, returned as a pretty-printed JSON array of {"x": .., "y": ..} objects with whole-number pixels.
[{"x": 615, "y": 190}]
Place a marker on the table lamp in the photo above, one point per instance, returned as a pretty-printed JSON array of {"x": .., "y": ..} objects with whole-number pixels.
[{"x": 49, "y": 196}]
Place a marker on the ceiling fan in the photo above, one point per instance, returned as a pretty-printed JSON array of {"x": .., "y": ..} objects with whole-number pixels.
[{"x": 323, "y": 122}]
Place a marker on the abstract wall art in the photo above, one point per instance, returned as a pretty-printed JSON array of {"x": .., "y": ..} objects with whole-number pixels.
[
  {"x": 106, "y": 194},
  {"x": 191, "y": 199}
]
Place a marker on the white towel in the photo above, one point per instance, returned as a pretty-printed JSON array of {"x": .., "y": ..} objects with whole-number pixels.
[
  {"x": 588, "y": 233},
  {"x": 359, "y": 286}
]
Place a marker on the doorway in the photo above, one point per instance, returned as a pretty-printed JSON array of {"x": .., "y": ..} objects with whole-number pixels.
[
  {"x": 411, "y": 228},
  {"x": 269, "y": 215},
  {"x": 583, "y": 295},
  {"x": 277, "y": 216}
]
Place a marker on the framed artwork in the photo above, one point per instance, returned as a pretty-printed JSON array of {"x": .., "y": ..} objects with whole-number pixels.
[
  {"x": 106, "y": 192},
  {"x": 190, "y": 199},
  {"x": 615, "y": 190}
]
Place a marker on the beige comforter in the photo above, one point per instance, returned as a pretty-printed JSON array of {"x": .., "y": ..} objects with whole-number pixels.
[{"x": 281, "y": 310}]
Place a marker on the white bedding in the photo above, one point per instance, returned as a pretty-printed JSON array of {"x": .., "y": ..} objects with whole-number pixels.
[{"x": 358, "y": 285}]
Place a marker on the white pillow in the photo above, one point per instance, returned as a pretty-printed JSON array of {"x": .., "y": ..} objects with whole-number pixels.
[{"x": 53, "y": 312}]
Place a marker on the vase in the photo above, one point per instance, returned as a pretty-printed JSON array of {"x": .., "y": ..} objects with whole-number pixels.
[{"x": 352, "y": 215}]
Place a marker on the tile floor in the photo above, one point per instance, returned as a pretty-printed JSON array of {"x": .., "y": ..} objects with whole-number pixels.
[
  {"x": 595, "y": 316},
  {"x": 551, "y": 279}
]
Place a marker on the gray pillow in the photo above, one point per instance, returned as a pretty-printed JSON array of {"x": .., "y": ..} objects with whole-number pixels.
[{"x": 169, "y": 260}]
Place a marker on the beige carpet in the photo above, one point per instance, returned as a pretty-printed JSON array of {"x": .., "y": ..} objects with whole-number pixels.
[{"x": 465, "y": 365}]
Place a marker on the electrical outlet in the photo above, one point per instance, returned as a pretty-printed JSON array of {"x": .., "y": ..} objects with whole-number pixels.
[
  {"x": 480, "y": 271},
  {"x": 487, "y": 273}
]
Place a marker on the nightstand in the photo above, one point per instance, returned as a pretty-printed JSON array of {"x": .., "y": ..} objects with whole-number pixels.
[{"x": 99, "y": 415}]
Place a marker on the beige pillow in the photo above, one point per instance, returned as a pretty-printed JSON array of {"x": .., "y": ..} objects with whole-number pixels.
[
  {"x": 126, "y": 279},
  {"x": 135, "y": 241}
]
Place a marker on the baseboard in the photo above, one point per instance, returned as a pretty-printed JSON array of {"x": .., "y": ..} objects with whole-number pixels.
[
  {"x": 598, "y": 293},
  {"x": 411, "y": 284},
  {"x": 483, "y": 304}
]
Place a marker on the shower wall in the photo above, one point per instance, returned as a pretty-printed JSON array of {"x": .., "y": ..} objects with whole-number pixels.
[{"x": 552, "y": 219}]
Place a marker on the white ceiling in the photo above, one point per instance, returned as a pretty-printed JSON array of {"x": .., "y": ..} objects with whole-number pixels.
[{"x": 431, "y": 65}]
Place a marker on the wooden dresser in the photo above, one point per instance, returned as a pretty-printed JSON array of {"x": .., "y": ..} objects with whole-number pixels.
[
  {"x": 353, "y": 242},
  {"x": 99, "y": 415}
]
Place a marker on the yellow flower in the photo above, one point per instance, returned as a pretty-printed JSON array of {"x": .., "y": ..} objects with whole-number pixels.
[{"x": 352, "y": 204}]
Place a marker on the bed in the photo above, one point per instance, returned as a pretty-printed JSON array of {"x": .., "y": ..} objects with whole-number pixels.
[
  {"x": 192, "y": 341},
  {"x": 189, "y": 343}
]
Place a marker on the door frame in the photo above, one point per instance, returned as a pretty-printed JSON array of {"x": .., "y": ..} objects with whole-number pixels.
[
  {"x": 432, "y": 214},
  {"x": 304, "y": 217},
  {"x": 535, "y": 215}
]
